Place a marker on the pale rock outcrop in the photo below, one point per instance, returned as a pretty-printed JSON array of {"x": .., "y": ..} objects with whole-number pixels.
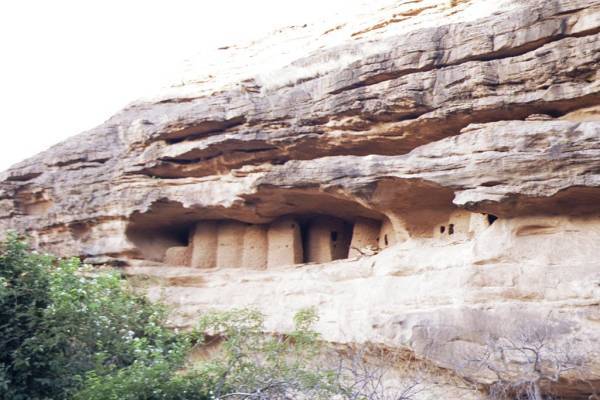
[{"x": 425, "y": 173}]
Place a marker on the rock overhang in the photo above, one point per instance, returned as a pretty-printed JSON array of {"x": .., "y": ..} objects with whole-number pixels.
[{"x": 474, "y": 141}]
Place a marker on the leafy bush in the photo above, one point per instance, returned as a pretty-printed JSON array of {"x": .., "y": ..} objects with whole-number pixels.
[
  {"x": 140, "y": 381},
  {"x": 62, "y": 324},
  {"x": 253, "y": 365},
  {"x": 249, "y": 365},
  {"x": 23, "y": 300}
]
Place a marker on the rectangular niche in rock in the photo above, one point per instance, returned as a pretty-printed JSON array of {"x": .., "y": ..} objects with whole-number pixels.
[{"x": 327, "y": 239}]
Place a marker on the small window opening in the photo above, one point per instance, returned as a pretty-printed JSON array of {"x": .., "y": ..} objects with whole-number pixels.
[
  {"x": 334, "y": 236},
  {"x": 491, "y": 218},
  {"x": 385, "y": 240},
  {"x": 451, "y": 229},
  {"x": 442, "y": 229}
]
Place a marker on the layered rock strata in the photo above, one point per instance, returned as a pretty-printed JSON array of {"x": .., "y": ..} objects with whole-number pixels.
[{"x": 426, "y": 174}]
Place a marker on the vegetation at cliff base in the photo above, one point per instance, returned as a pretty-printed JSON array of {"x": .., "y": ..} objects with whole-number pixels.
[
  {"x": 70, "y": 332},
  {"x": 65, "y": 329}
]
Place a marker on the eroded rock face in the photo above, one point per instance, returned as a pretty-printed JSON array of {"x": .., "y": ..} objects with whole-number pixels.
[{"x": 428, "y": 171}]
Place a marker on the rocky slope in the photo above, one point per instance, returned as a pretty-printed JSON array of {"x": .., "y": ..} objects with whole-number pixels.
[{"x": 466, "y": 133}]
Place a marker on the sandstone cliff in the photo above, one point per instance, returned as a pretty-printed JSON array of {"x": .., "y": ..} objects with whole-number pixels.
[{"x": 426, "y": 171}]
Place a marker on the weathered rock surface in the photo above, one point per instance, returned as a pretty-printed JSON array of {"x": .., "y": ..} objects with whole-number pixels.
[{"x": 453, "y": 145}]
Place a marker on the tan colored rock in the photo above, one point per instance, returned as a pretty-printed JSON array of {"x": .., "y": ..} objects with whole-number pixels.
[
  {"x": 256, "y": 247},
  {"x": 204, "y": 245},
  {"x": 327, "y": 239},
  {"x": 461, "y": 225},
  {"x": 230, "y": 244},
  {"x": 405, "y": 296},
  {"x": 473, "y": 116},
  {"x": 177, "y": 256},
  {"x": 365, "y": 237},
  {"x": 387, "y": 235},
  {"x": 285, "y": 243},
  {"x": 582, "y": 115}
]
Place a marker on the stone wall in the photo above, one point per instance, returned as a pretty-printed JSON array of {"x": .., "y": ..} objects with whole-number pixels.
[
  {"x": 233, "y": 244},
  {"x": 178, "y": 255},
  {"x": 255, "y": 254},
  {"x": 365, "y": 236},
  {"x": 284, "y": 243},
  {"x": 230, "y": 244},
  {"x": 310, "y": 239},
  {"x": 203, "y": 244}
]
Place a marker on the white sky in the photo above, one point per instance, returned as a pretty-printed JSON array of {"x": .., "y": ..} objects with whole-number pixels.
[{"x": 68, "y": 65}]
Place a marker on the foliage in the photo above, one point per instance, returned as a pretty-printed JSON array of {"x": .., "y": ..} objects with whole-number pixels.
[
  {"x": 62, "y": 324},
  {"x": 140, "y": 381},
  {"x": 23, "y": 300},
  {"x": 258, "y": 366}
]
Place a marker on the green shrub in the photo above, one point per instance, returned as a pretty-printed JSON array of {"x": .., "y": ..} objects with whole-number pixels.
[
  {"x": 23, "y": 300},
  {"x": 141, "y": 381},
  {"x": 62, "y": 324},
  {"x": 259, "y": 366}
]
